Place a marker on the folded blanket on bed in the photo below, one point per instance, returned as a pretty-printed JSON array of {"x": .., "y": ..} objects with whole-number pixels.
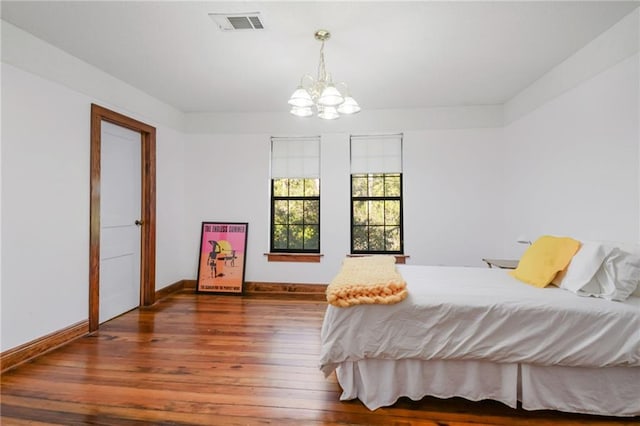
[{"x": 367, "y": 280}]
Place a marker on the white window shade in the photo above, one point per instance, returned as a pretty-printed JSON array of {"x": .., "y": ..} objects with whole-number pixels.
[
  {"x": 295, "y": 157},
  {"x": 376, "y": 154}
]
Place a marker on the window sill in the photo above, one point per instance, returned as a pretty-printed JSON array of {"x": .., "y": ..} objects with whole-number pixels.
[
  {"x": 294, "y": 257},
  {"x": 400, "y": 258}
]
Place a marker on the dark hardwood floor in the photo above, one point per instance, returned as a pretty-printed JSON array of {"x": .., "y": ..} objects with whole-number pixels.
[{"x": 218, "y": 360}]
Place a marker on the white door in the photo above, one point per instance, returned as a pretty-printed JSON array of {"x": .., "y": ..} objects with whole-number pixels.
[{"x": 120, "y": 186}]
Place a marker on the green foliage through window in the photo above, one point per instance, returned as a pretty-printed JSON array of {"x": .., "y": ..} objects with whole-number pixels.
[
  {"x": 295, "y": 215},
  {"x": 376, "y": 213}
]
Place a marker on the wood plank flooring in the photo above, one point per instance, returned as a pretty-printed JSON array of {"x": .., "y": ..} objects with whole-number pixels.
[{"x": 219, "y": 360}]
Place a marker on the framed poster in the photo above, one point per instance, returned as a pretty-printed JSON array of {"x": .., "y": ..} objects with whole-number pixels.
[{"x": 221, "y": 261}]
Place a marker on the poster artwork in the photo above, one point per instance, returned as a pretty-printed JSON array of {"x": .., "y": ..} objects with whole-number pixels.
[{"x": 222, "y": 257}]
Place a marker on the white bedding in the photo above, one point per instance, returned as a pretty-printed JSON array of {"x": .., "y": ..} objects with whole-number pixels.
[{"x": 457, "y": 313}]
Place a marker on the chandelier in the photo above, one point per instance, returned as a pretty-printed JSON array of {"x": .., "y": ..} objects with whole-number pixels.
[{"x": 321, "y": 92}]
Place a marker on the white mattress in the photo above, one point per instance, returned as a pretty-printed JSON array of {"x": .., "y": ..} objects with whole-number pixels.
[{"x": 457, "y": 313}]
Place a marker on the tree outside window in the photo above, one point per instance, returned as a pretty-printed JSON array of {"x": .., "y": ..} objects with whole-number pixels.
[
  {"x": 295, "y": 215},
  {"x": 376, "y": 214}
]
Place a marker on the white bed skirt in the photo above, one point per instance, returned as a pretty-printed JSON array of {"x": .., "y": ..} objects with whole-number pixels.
[
  {"x": 613, "y": 391},
  {"x": 605, "y": 391}
]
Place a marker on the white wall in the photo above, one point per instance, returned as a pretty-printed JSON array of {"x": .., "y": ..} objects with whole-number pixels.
[
  {"x": 453, "y": 179},
  {"x": 576, "y": 159},
  {"x": 382, "y": 120},
  {"x": 45, "y": 220},
  {"x": 573, "y": 159},
  {"x": 45, "y": 184},
  {"x": 453, "y": 166},
  {"x": 637, "y": 24},
  {"x": 228, "y": 180},
  {"x": 172, "y": 261},
  {"x": 0, "y": 195},
  {"x": 454, "y": 197}
]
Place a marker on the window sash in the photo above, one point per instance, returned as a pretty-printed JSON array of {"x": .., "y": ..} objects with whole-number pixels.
[
  {"x": 374, "y": 236},
  {"x": 297, "y": 233}
]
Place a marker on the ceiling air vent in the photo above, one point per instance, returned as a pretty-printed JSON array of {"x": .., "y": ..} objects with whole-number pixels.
[{"x": 238, "y": 21}]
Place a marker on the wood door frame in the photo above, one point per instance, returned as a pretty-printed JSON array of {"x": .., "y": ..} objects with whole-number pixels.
[{"x": 148, "y": 209}]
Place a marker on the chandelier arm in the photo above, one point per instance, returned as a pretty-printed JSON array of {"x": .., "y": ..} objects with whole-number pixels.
[{"x": 307, "y": 81}]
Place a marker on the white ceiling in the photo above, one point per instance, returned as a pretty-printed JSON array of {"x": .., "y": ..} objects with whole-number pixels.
[{"x": 392, "y": 54}]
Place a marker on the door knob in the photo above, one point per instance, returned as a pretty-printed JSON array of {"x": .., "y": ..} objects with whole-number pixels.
[{"x": 139, "y": 222}]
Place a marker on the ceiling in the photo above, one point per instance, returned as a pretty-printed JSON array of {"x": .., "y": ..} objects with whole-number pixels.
[{"x": 391, "y": 54}]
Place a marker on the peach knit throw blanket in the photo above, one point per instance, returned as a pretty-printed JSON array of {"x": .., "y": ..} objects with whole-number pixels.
[{"x": 367, "y": 280}]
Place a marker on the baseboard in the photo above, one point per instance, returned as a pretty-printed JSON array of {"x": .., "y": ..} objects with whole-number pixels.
[
  {"x": 265, "y": 289},
  {"x": 23, "y": 353},
  {"x": 285, "y": 290},
  {"x": 174, "y": 288}
]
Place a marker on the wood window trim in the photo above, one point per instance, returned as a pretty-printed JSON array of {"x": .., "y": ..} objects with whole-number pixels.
[
  {"x": 294, "y": 257},
  {"x": 148, "y": 208},
  {"x": 400, "y": 258}
]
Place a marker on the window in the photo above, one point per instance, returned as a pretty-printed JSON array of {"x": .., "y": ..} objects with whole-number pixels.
[
  {"x": 376, "y": 195},
  {"x": 295, "y": 195}
]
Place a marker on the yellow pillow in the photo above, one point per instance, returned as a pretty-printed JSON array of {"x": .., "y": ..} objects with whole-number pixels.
[{"x": 544, "y": 259}]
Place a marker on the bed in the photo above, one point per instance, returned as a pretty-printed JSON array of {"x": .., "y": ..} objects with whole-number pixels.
[{"x": 479, "y": 333}]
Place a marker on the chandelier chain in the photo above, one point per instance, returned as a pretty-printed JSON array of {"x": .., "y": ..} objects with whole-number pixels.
[{"x": 322, "y": 72}]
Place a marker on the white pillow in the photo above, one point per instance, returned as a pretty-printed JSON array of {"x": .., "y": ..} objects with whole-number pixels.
[
  {"x": 617, "y": 278},
  {"x": 583, "y": 266},
  {"x": 632, "y": 249},
  {"x": 601, "y": 270}
]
